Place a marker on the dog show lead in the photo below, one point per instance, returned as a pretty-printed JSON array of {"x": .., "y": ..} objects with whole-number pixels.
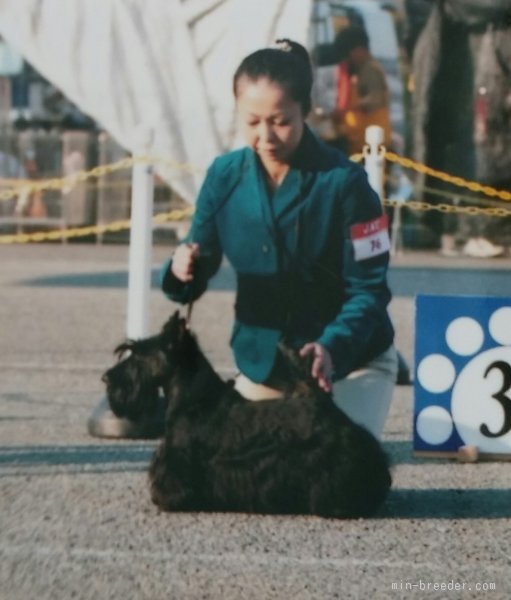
[{"x": 308, "y": 240}]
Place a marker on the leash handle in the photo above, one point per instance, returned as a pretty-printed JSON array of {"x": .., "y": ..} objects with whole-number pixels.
[
  {"x": 189, "y": 308},
  {"x": 188, "y": 318}
]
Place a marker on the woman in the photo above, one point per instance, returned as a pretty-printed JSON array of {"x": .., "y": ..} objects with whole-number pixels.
[{"x": 306, "y": 237}]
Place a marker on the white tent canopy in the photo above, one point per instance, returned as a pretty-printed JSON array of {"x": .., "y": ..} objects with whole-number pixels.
[{"x": 156, "y": 74}]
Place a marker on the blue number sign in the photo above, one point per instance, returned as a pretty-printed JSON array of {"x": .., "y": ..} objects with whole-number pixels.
[{"x": 463, "y": 374}]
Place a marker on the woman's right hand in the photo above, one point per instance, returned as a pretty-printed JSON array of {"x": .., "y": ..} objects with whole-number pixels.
[{"x": 183, "y": 261}]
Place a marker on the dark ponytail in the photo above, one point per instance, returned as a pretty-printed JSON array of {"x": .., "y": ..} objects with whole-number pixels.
[{"x": 287, "y": 64}]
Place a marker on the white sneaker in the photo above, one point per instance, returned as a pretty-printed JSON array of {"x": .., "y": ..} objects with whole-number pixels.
[
  {"x": 448, "y": 246},
  {"x": 482, "y": 248},
  {"x": 490, "y": 248}
]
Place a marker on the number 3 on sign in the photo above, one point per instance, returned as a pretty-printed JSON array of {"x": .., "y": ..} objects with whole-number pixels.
[
  {"x": 481, "y": 401},
  {"x": 463, "y": 379}
]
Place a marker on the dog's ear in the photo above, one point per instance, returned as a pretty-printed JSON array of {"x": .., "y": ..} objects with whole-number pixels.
[
  {"x": 124, "y": 348},
  {"x": 169, "y": 331},
  {"x": 296, "y": 365},
  {"x": 174, "y": 331},
  {"x": 169, "y": 328},
  {"x": 295, "y": 370}
]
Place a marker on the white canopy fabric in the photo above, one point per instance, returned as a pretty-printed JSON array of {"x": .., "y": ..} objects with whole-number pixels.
[{"x": 156, "y": 74}]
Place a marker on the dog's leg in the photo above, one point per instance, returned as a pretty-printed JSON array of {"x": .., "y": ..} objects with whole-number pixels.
[{"x": 172, "y": 476}]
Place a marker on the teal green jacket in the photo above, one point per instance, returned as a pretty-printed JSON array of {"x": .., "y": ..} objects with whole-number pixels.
[{"x": 311, "y": 260}]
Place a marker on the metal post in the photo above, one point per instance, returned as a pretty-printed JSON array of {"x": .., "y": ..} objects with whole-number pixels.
[
  {"x": 102, "y": 422},
  {"x": 396, "y": 241},
  {"x": 140, "y": 251},
  {"x": 374, "y": 155}
]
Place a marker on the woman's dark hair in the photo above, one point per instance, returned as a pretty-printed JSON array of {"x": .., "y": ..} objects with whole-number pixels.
[{"x": 287, "y": 64}]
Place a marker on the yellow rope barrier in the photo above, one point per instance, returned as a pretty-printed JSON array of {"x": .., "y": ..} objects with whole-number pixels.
[
  {"x": 66, "y": 182},
  {"x": 27, "y": 187},
  {"x": 63, "y": 183},
  {"x": 449, "y": 208},
  {"x": 48, "y": 236},
  {"x": 180, "y": 214},
  {"x": 458, "y": 181}
]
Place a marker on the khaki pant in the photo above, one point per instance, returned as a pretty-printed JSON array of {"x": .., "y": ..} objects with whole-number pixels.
[{"x": 364, "y": 395}]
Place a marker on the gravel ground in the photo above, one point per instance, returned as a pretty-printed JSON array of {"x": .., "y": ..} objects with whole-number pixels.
[{"x": 76, "y": 520}]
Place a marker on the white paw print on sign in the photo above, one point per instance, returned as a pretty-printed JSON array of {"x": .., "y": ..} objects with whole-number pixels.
[{"x": 481, "y": 391}]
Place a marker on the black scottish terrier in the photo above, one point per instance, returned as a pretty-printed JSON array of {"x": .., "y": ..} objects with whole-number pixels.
[{"x": 297, "y": 455}]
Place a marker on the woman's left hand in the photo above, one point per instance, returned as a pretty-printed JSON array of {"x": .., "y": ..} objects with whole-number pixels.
[{"x": 322, "y": 367}]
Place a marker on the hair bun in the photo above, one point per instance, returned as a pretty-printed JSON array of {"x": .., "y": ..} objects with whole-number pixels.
[
  {"x": 284, "y": 44},
  {"x": 287, "y": 45}
]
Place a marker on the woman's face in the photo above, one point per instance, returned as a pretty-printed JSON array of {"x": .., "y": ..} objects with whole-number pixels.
[{"x": 272, "y": 121}]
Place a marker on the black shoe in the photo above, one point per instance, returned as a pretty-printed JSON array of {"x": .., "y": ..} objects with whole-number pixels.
[
  {"x": 104, "y": 424},
  {"x": 403, "y": 372}
]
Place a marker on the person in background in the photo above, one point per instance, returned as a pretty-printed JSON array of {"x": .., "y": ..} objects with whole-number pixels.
[
  {"x": 12, "y": 172},
  {"x": 460, "y": 55},
  {"x": 362, "y": 91}
]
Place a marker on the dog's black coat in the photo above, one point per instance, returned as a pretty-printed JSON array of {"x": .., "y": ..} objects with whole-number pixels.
[{"x": 299, "y": 454}]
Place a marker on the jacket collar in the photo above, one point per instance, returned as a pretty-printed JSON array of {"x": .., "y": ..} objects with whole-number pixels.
[{"x": 310, "y": 155}]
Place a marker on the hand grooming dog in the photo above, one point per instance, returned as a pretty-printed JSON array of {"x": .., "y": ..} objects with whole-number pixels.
[{"x": 298, "y": 454}]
